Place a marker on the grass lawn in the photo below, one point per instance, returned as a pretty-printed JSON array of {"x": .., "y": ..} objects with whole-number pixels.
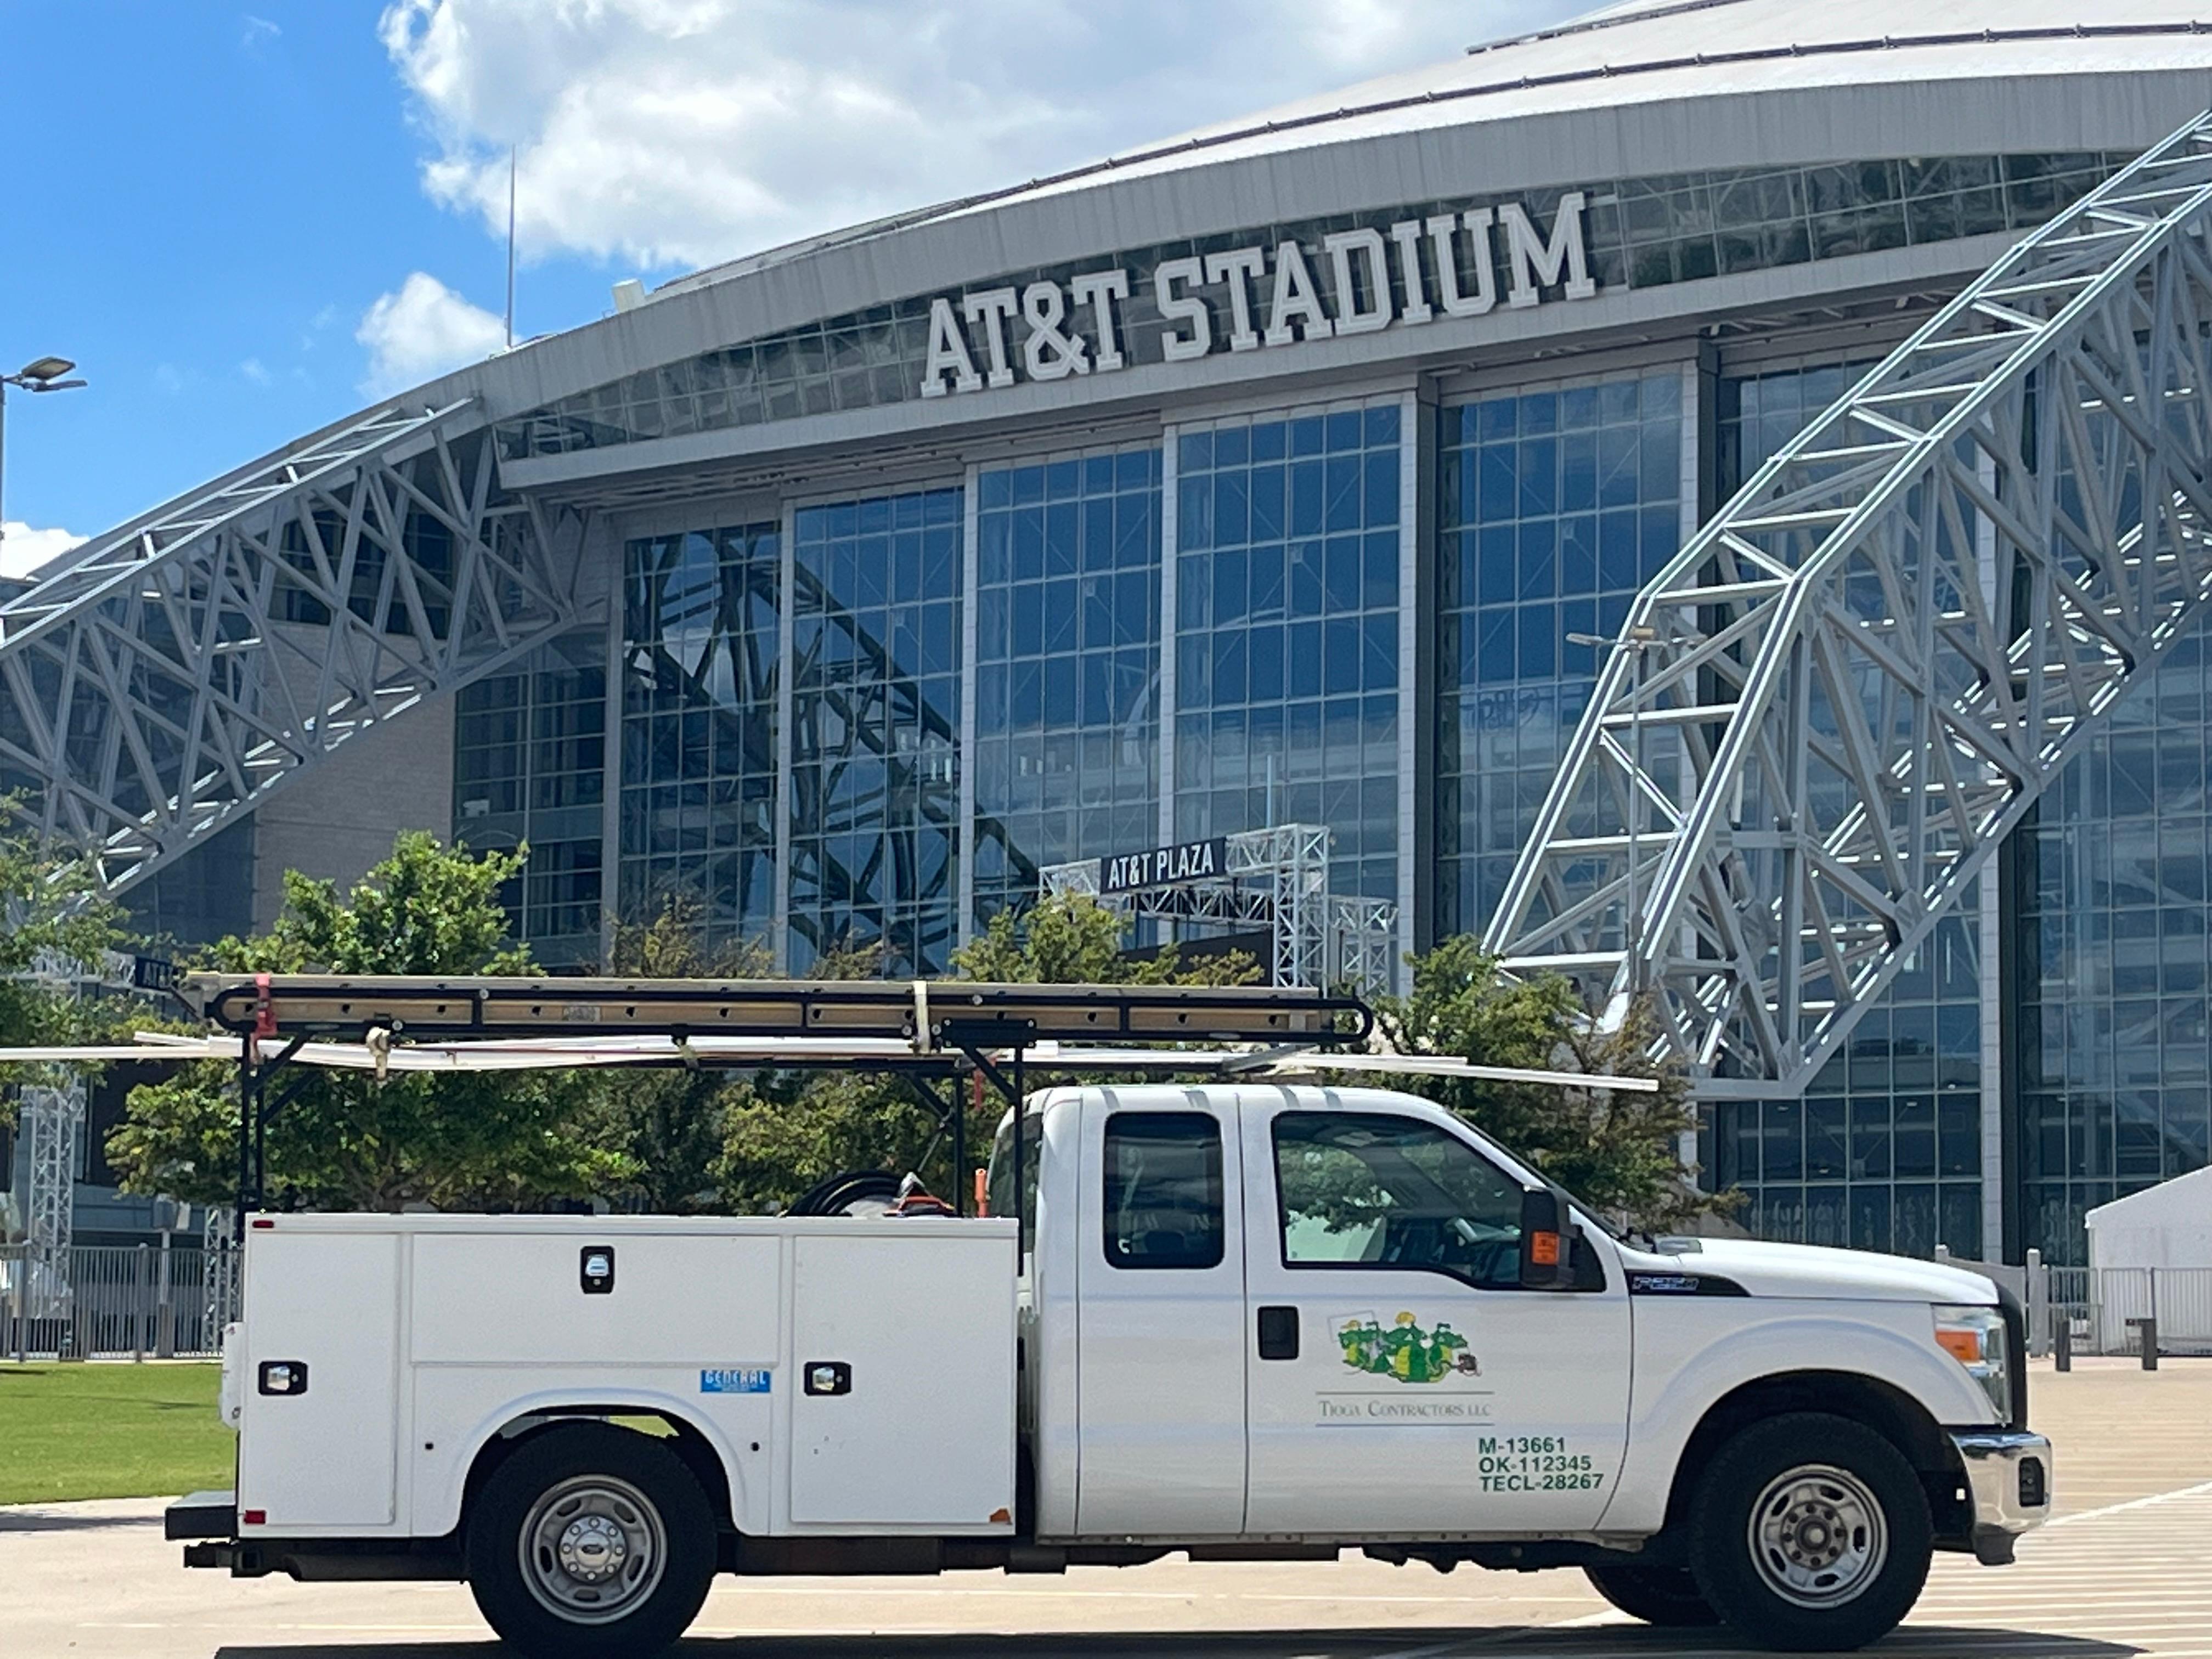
[{"x": 110, "y": 1431}]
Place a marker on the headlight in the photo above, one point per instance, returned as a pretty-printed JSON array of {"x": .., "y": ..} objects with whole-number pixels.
[{"x": 1975, "y": 1337}]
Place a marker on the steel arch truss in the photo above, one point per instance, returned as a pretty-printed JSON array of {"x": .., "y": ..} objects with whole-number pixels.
[
  {"x": 1828, "y": 710},
  {"x": 175, "y": 672}
]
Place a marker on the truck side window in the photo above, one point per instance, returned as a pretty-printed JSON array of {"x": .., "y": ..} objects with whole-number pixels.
[
  {"x": 1164, "y": 1199},
  {"x": 1373, "y": 1189},
  {"x": 999, "y": 1183}
]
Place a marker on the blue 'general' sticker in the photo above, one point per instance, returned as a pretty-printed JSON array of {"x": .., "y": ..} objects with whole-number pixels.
[{"x": 749, "y": 1380}]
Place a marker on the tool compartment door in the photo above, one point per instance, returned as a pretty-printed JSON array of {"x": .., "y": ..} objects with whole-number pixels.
[
  {"x": 319, "y": 1437},
  {"x": 902, "y": 1380}
]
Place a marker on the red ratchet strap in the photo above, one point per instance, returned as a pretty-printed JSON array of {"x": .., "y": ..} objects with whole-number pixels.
[{"x": 264, "y": 1012}]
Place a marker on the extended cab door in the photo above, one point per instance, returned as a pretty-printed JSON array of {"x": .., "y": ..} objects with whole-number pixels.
[
  {"x": 1401, "y": 1381},
  {"x": 1160, "y": 1316}
]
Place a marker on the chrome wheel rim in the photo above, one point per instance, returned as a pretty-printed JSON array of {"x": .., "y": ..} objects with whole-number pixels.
[
  {"x": 593, "y": 1549},
  {"x": 1818, "y": 1536}
]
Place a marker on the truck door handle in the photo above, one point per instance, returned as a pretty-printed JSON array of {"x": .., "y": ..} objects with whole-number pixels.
[{"x": 1278, "y": 1333}]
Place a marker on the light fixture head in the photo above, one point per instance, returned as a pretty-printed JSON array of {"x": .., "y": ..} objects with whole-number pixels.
[
  {"x": 47, "y": 368},
  {"x": 55, "y": 385}
]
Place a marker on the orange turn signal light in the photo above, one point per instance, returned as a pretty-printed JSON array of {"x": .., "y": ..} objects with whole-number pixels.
[
  {"x": 1965, "y": 1346},
  {"x": 1544, "y": 1249}
]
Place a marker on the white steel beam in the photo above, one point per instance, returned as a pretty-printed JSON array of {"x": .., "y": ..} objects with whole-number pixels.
[
  {"x": 159, "y": 683},
  {"x": 1863, "y": 671}
]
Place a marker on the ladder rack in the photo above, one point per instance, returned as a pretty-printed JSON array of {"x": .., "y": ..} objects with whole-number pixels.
[
  {"x": 948, "y": 1028},
  {"x": 935, "y": 1017}
]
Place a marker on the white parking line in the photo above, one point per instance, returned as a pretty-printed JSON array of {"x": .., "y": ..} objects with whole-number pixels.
[{"x": 2198, "y": 1490}]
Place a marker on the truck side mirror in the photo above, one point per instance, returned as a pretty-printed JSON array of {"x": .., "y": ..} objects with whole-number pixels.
[{"x": 1547, "y": 1240}]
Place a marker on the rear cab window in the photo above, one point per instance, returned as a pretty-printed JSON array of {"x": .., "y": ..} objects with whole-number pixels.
[{"x": 1164, "y": 1206}]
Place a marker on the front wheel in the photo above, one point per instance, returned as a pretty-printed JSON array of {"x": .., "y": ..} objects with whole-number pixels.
[
  {"x": 1668, "y": 1597},
  {"x": 590, "y": 1542},
  {"x": 1810, "y": 1533}
]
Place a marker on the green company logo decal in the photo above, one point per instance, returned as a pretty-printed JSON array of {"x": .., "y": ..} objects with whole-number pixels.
[{"x": 1403, "y": 1350}]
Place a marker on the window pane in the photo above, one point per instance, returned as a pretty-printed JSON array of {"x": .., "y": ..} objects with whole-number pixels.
[
  {"x": 1376, "y": 1189},
  {"x": 1164, "y": 1200}
]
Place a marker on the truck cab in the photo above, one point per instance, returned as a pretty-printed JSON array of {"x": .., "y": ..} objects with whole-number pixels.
[{"x": 1244, "y": 1320}]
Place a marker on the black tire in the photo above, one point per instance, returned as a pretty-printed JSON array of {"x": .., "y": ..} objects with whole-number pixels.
[
  {"x": 1665, "y": 1596},
  {"x": 603, "y": 1505},
  {"x": 849, "y": 1192},
  {"x": 1846, "y": 1529}
]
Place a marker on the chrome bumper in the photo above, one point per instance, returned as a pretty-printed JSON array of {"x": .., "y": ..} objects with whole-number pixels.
[{"x": 2008, "y": 1484}]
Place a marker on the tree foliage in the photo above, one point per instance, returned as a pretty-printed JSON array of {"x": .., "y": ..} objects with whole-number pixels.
[
  {"x": 1616, "y": 1150},
  {"x": 346, "y": 1141},
  {"x": 667, "y": 1126},
  {"x": 49, "y": 909},
  {"x": 51, "y": 913},
  {"x": 1073, "y": 939},
  {"x": 782, "y": 1133}
]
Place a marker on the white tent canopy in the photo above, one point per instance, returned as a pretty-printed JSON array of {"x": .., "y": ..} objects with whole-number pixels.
[{"x": 2165, "y": 1226}]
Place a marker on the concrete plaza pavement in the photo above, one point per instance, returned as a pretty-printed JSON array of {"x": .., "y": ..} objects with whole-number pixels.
[{"x": 2124, "y": 1569}]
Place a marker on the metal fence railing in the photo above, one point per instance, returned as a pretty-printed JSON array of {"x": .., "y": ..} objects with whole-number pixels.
[
  {"x": 2179, "y": 1300},
  {"x": 114, "y": 1301},
  {"x": 2102, "y": 1310}
]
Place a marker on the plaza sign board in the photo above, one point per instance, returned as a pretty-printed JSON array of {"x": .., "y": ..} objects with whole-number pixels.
[
  {"x": 1163, "y": 866},
  {"x": 1359, "y": 281}
]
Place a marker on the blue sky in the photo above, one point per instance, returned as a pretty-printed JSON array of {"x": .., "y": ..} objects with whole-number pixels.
[{"x": 244, "y": 222}]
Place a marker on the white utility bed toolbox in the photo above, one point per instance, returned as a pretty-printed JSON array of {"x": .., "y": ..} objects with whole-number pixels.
[{"x": 853, "y": 1375}]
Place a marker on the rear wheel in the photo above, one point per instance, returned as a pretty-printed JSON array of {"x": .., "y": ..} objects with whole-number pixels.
[
  {"x": 591, "y": 1542},
  {"x": 1665, "y": 1596},
  {"x": 1810, "y": 1533}
]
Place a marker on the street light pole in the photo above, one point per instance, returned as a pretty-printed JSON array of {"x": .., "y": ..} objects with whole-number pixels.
[{"x": 41, "y": 375}]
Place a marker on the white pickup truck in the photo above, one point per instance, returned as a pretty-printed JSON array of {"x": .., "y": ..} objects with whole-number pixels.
[{"x": 1247, "y": 1322}]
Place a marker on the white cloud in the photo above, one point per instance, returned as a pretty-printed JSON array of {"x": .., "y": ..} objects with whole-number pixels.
[
  {"x": 257, "y": 32},
  {"x": 666, "y": 131},
  {"x": 255, "y": 370},
  {"x": 419, "y": 330},
  {"x": 23, "y": 549}
]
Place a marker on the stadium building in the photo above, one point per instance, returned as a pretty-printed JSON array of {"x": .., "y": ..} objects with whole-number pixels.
[{"x": 1276, "y": 474}]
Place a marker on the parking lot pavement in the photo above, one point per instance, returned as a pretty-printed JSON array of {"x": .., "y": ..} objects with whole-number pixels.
[{"x": 2121, "y": 1571}]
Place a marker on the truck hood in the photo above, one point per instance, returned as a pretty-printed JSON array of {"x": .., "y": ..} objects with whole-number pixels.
[{"x": 1814, "y": 1270}]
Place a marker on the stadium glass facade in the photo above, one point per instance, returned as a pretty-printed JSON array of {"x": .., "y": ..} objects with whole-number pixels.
[
  {"x": 1884, "y": 1151},
  {"x": 1067, "y": 733},
  {"x": 700, "y": 665},
  {"x": 1556, "y": 504},
  {"x": 1286, "y": 688},
  {"x": 1075, "y": 652},
  {"x": 2110, "y": 1047},
  {"x": 872, "y": 815}
]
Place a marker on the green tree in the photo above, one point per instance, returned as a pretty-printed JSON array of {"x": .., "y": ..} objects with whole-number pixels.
[
  {"x": 50, "y": 914},
  {"x": 668, "y": 1126},
  {"x": 1073, "y": 939},
  {"x": 346, "y": 1141},
  {"x": 784, "y": 1133},
  {"x": 49, "y": 910},
  {"x": 1612, "y": 1148}
]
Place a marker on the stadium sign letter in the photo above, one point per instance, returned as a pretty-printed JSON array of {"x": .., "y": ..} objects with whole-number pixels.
[
  {"x": 1447, "y": 264},
  {"x": 1535, "y": 257}
]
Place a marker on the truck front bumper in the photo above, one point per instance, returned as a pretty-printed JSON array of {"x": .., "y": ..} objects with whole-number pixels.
[{"x": 2008, "y": 1486}]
